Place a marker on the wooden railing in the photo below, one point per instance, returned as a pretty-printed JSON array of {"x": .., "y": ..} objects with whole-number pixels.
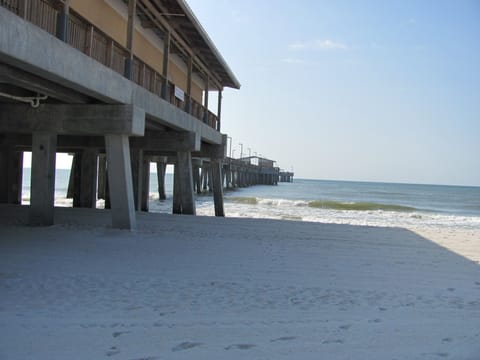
[{"x": 90, "y": 40}]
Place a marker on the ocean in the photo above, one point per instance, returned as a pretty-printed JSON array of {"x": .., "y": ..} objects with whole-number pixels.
[{"x": 341, "y": 202}]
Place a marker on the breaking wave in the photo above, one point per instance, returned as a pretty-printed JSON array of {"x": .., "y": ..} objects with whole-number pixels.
[
  {"x": 359, "y": 206},
  {"x": 323, "y": 204}
]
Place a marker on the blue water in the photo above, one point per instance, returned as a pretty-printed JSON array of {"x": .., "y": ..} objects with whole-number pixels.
[{"x": 365, "y": 203}]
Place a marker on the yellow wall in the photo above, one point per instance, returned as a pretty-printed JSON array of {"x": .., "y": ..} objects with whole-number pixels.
[{"x": 104, "y": 17}]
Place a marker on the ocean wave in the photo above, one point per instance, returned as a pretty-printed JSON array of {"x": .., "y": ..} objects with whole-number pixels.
[
  {"x": 322, "y": 204},
  {"x": 243, "y": 200},
  {"x": 358, "y": 206}
]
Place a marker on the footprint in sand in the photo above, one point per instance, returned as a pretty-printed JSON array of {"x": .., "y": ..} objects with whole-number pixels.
[
  {"x": 333, "y": 341},
  {"x": 186, "y": 345},
  {"x": 240, "y": 346},
  {"x": 284, "y": 338},
  {"x": 118, "y": 333},
  {"x": 113, "y": 351}
]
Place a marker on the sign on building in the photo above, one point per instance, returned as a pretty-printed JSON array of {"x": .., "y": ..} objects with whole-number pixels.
[{"x": 179, "y": 94}]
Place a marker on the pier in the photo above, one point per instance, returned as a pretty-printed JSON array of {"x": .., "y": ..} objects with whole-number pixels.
[
  {"x": 117, "y": 86},
  {"x": 285, "y": 176},
  {"x": 117, "y": 100}
]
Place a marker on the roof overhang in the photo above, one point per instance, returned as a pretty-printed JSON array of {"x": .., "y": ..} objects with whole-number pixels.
[{"x": 179, "y": 17}]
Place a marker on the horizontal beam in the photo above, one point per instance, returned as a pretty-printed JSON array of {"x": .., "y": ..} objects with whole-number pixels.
[
  {"x": 213, "y": 151},
  {"x": 167, "y": 141},
  {"x": 73, "y": 119},
  {"x": 26, "y": 80}
]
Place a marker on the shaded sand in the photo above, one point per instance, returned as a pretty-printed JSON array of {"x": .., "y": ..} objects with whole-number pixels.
[{"x": 207, "y": 288}]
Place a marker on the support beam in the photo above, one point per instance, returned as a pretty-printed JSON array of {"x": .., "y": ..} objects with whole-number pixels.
[
  {"x": 132, "y": 4},
  {"x": 177, "y": 191},
  {"x": 166, "y": 57},
  {"x": 145, "y": 184},
  {"x": 136, "y": 158},
  {"x": 219, "y": 110},
  {"x": 120, "y": 182},
  {"x": 42, "y": 187},
  {"x": 73, "y": 119},
  {"x": 11, "y": 170},
  {"x": 73, "y": 191},
  {"x": 205, "y": 104},
  {"x": 102, "y": 176},
  {"x": 88, "y": 179},
  {"x": 161, "y": 167},
  {"x": 188, "y": 98},
  {"x": 217, "y": 182},
  {"x": 167, "y": 141},
  {"x": 184, "y": 182}
]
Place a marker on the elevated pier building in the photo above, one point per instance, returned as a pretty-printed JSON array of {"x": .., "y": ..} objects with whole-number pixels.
[{"x": 117, "y": 83}]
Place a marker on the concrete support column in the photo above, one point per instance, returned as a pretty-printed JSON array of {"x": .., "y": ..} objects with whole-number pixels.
[
  {"x": 196, "y": 179},
  {"x": 120, "y": 181},
  {"x": 204, "y": 177},
  {"x": 161, "y": 168},
  {"x": 102, "y": 176},
  {"x": 145, "y": 183},
  {"x": 11, "y": 168},
  {"x": 82, "y": 186},
  {"x": 42, "y": 187},
  {"x": 210, "y": 181},
  {"x": 228, "y": 173},
  {"x": 183, "y": 195},
  {"x": 136, "y": 158},
  {"x": 177, "y": 191},
  {"x": 217, "y": 182}
]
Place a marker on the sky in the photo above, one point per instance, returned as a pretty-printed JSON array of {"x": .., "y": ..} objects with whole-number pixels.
[{"x": 353, "y": 90}]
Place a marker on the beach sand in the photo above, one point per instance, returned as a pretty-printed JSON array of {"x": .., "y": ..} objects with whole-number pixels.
[{"x": 183, "y": 287}]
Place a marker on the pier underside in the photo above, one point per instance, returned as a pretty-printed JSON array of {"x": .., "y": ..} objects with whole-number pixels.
[{"x": 56, "y": 99}]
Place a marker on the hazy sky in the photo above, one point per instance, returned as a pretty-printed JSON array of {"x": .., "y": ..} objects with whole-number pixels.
[{"x": 354, "y": 90}]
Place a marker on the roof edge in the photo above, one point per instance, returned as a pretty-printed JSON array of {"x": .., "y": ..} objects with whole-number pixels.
[{"x": 188, "y": 11}]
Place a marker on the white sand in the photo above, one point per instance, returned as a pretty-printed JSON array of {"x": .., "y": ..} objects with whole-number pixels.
[{"x": 207, "y": 288}]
